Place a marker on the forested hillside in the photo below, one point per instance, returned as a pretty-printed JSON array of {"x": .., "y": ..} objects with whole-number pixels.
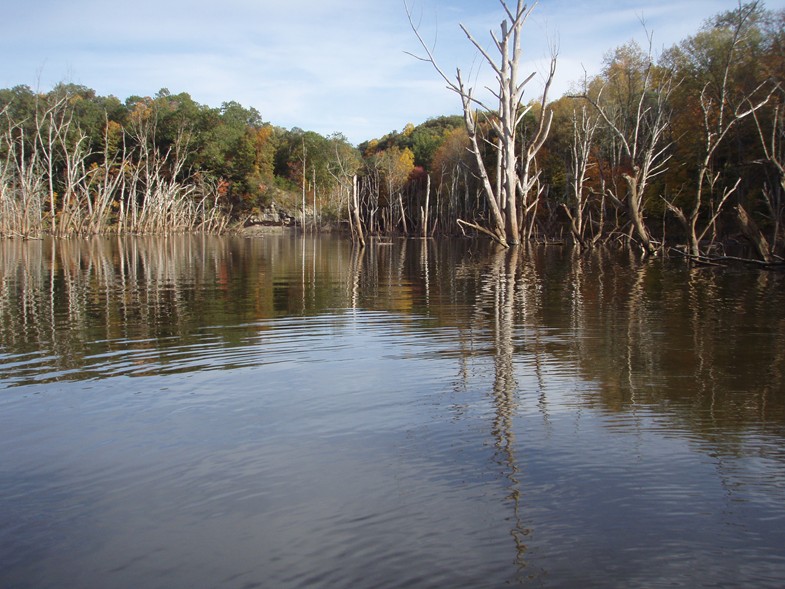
[{"x": 680, "y": 149}]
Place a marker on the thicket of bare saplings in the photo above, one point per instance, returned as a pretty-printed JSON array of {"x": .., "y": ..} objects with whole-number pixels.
[
  {"x": 55, "y": 177},
  {"x": 679, "y": 150}
]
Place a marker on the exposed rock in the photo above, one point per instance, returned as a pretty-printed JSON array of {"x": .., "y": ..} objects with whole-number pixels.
[{"x": 271, "y": 216}]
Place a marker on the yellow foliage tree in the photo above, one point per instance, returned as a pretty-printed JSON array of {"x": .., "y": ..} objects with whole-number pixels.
[{"x": 396, "y": 166}]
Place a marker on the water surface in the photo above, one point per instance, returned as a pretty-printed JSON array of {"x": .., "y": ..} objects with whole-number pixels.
[{"x": 287, "y": 412}]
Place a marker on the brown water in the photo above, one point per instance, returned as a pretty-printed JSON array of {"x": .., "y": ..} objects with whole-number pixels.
[{"x": 276, "y": 412}]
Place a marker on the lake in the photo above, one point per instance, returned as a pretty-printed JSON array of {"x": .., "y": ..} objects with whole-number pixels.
[{"x": 280, "y": 411}]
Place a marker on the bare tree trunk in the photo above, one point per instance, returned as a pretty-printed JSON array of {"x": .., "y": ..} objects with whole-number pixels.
[
  {"x": 634, "y": 201},
  {"x": 775, "y": 156},
  {"x": 583, "y": 129},
  {"x": 720, "y": 115},
  {"x": 47, "y": 147},
  {"x": 358, "y": 225},
  {"x": 753, "y": 234},
  {"x": 22, "y": 186},
  {"x": 503, "y": 200},
  {"x": 403, "y": 214},
  {"x": 638, "y": 129},
  {"x": 314, "y": 197},
  {"x": 425, "y": 208}
]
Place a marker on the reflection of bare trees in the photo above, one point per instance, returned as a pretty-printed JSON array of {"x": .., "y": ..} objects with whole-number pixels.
[
  {"x": 703, "y": 350},
  {"x": 505, "y": 389},
  {"x": 708, "y": 345},
  {"x": 75, "y": 300},
  {"x": 60, "y": 297},
  {"x": 506, "y": 286},
  {"x": 504, "y": 302}
]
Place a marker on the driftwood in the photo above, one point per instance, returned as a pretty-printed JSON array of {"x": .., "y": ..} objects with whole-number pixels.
[
  {"x": 751, "y": 231},
  {"x": 721, "y": 261}
]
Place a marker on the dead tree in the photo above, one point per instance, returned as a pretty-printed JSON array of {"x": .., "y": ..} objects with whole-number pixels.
[
  {"x": 639, "y": 127},
  {"x": 584, "y": 127},
  {"x": 355, "y": 207},
  {"x": 774, "y": 154},
  {"x": 720, "y": 114},
  {"x": 424, "y": 210},
  {"x": 22, "y": 181},
  {"x": 751, "y": 231},
  {"x": 514, "y": 182},
  {"x": 344, "y": 169}
]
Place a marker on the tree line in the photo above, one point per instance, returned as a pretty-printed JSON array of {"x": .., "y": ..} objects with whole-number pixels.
[
  {"x": 74, "y": 163},
  {"x": 681, "y": 151}
]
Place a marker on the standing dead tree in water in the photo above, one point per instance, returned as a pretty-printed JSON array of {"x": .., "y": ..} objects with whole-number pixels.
[
  {"x": 584, "y": 127},
  {"x": 160, "y": 194},
  {"x": 634, "y": 105},
  {"x": 22, "y": 181},
  {"x": 508, "y": 200},
  {"x": 344, "y": 168},
  {"x": 723, "y": 105},
  {"x": 773, "y": 192}
]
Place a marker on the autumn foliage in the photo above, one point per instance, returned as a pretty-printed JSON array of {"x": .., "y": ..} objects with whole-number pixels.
[{"x": 679, "y": 150}]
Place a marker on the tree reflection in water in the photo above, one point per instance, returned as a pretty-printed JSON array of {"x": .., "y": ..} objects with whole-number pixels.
[
  {"x": 505, "y": 286},
  {"x": 648, "y": 334},
  {"x": 696, "y": 352}
]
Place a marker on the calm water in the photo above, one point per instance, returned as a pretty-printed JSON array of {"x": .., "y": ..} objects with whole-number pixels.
[{"x": 275, "y": 412}]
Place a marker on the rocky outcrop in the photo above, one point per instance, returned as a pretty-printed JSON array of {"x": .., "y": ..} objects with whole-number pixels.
[{"x": 272, "y": 215}]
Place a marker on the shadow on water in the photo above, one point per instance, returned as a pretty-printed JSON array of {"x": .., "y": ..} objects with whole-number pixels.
[{"x": 540, "y": 339}]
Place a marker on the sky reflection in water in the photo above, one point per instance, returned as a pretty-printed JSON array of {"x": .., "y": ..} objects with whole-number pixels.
[{"x": 202, "y": 412}]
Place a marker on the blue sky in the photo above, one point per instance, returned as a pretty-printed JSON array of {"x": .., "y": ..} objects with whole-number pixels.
[{"x": 326, "y": 66}]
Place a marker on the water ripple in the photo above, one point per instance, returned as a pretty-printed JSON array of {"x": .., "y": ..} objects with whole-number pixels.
[{"x": 321, "y": 338}]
